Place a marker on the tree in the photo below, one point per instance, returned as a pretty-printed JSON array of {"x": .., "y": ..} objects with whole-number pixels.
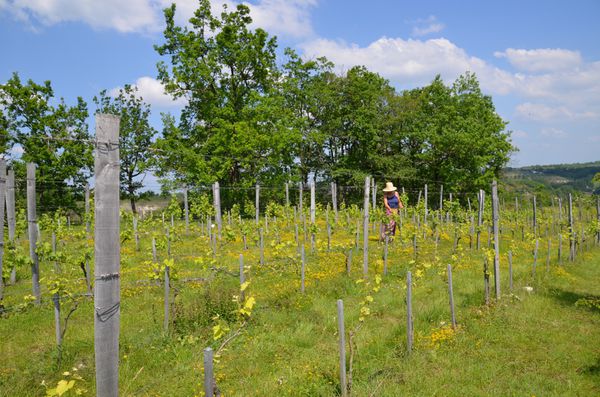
[
  {"x": 229, "y": 130},
  {"x": 453, "y": 135},
  {"x": 55, "y": 138},
  {"x": 135, "y": 137}
]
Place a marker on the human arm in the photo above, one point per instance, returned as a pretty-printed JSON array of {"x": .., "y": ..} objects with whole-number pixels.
[{"x": 400, "y": 205}]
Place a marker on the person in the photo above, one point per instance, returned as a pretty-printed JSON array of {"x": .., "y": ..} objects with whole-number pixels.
[{"x": 392, "y": 202}]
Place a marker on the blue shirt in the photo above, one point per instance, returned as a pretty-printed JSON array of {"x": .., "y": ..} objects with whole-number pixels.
[{"x": 393, "y": 201}]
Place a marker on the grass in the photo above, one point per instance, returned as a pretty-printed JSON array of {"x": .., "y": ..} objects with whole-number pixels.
[{"x": 541, "y": 343}]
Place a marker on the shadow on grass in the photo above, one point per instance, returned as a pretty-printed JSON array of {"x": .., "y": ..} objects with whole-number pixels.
[{"x": 570, "y": 298}]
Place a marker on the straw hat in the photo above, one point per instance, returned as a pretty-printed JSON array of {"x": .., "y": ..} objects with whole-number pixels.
[{"x": 389, "y": 187}]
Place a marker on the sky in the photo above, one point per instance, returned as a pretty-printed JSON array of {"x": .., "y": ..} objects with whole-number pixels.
[{"x": 538, "y": 60}]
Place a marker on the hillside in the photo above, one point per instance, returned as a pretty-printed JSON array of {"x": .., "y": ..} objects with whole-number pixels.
[{"x": 557, "y": 178}]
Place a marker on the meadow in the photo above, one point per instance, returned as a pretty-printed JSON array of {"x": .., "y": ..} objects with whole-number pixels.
[{"x": 276, "y": 333}]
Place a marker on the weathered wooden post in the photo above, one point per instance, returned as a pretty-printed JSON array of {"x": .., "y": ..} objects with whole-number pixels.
[
  {"x": 10, "y": 216},
  {"x": 32, "y": 229},
  {"x": 2, "y": 201},
  {"x": 302, "y": 269},
  {"x": 426, "y": 207},
  {"x": 87, "y": 210},
  {"x": 242, "y": 277},
  {"x": 481, "y": 198},
  {"x": 342, "y": 344},
  {"x": 209, "y": 378},
  {"x": 313, "y": 207},
  {"x": 451, "y": 295},
  {"x": 385, "y": 254},
  {"x": 186, "y": 211},
  {"x": 287, "y": 195},
  {"x": 510, "y": 271},
  {"x": 334, "y": 200},
  {"x": 441, "y": 202},
  {"x": 496, "y": 218},
  {"x": 107, "y": 256},
  {"x": 409, "y": 315},
  {"x": 366, "y": 229},
  {"x": 535, "y": 255},
  {"x": 167, "y": 293},
  {"x": 535, "y": 216},
  {"x": 571, "y": 230},
  {"x": 257, "y": 202},
  {"x": 349, "y": 262},
  {"x": 261, "y": 240},
  {"x": 300, "y": 204},
  {"x": 217, "y": 205}
]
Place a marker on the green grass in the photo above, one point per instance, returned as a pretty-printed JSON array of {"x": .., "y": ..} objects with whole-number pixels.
[{"x": 543, "y": 343}]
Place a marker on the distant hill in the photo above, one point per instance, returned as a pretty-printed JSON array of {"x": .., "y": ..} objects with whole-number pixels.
[{"x": 559, "y": 178}]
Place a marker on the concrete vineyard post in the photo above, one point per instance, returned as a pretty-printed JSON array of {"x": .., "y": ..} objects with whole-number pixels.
[
  {"x": 342, "y": 346},
  {"x": 107, "y": 256},
  {"x": 32, "y": 229}
]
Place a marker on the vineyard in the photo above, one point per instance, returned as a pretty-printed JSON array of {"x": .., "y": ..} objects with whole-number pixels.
[{"x": 259, "y": 297}]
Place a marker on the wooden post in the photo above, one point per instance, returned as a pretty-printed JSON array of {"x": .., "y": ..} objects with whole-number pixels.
[
  {"x": 441, "y": 201},
  {"x": 366, "y": 229},
  {"x": 409, "y": 315},
  {"x": 312, "y": 203},
  {"x": 262, "y": 246},
  {"x": 217, "y": 205},
  {"x": 32, "y": 228},
  {"x": 242, "y": 277},
  {"x": 334, "y": 200},
  {"x": 385, "y": 254},
  {"x": 496, "y": 219},
  {"x": 154, "y": 258},
  {"x": 87, "y": 210},
  {"x": 136, "y": 237},
  {"x": 300, "y": 204},
  {"x": 349, "y": 262},
  {"x": 534, "y": 216},
  {"x": 303, "y": 269},
  {"x": 486, "y": 280},
  {"x": 107, "y": 256},
  {"x": 481, "y": 198},
  {"x": 535, "y": 254},
  {"x": 426, "y": 208},
  {"x": 257, "y": 202},
  {"x": 548, "y": 257},
  {"x": 10, "y": 216},
  {"x": 287, "y": 194},
  {"x": 209, "y": 379},
  {"x": 373, "y": 193},
  {"x": 167, "y": 292},
  {"x": 571, "y": 230},
  {"x": 451, "y": 294},
  {"x": 2, "y": 201},
  {"x": 510, "y": 271},
  {"x": 598, "y": 218},
  {"x": 342, "y": 345},
  {"x": 186, "y": 210}
]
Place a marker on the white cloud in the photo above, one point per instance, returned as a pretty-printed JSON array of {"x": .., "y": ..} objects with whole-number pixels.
[
  {"x": 123, "y": 16},
  {"x": 153, "y": 93},
  {"x": 412, "y": 62},
  {"x": 552, "y": 132},
  {"x": 290, "y": 17},
  {"x": 426, "y": 26},
  {"x": 520, "y": 134},
  {"x": 541, "y": 59},
  {"x": 545, "y": 113}
]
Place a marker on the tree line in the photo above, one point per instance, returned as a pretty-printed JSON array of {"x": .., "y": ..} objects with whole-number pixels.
[{"x": 253, "y": 118}]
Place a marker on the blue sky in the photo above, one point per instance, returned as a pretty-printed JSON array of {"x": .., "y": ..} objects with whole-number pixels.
[{"x": 539, "y": 60}]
